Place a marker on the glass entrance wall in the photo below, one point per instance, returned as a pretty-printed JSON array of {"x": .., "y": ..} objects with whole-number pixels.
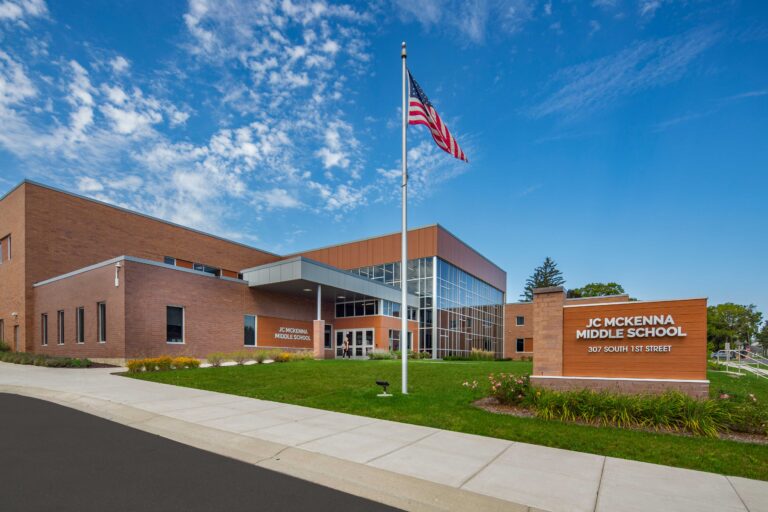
[
  {"x": 466, "y": 313},
  {"x": 361, "y": 342}
]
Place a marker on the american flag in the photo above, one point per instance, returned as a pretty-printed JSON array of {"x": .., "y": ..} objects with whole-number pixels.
[{"x": 421, "y": 111}]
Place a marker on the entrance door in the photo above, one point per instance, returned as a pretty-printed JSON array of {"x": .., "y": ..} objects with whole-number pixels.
[{"x": 361, "y": 342}]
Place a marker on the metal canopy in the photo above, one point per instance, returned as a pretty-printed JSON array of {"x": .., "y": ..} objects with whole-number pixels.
[{"x": 301, "y": 276}]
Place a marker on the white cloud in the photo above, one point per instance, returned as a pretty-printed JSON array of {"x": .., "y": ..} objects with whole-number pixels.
[
  {"x": 15, "y": 85},
  {"x": 17, "y": 10},
  {"x": 277, "y": 198},
  {"x": 119, "y": 64},
  {"x": 599, "y": 83},
  {"x": 88, "y": 184}
]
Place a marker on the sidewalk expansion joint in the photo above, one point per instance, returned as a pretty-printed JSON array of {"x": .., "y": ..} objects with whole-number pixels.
[
  {"x": 600, "y": 483},
  {"x": 494, "y": 459},
  {"x": 737, "y": 493},
  {"x": 406, "y": 445}
]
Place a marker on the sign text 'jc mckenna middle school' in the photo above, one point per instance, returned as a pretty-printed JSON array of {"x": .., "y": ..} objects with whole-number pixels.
[{"x": 621, "y": 327}]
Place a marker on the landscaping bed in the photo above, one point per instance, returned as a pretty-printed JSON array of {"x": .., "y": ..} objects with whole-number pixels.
[
  {"x": 7, "y": 356},
  {"x": 439, "y": 399}
]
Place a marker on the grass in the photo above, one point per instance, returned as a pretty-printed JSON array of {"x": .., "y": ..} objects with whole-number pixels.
[{"x": 438, "y": 399}]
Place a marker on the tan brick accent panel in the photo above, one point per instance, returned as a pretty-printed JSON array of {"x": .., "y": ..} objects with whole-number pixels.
[
  {"x": 630, "y": 387},
  {"x": 548, "y": 331}
]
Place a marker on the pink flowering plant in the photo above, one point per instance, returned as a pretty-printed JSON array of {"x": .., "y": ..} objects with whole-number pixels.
[{"x": 510, "y": 389}]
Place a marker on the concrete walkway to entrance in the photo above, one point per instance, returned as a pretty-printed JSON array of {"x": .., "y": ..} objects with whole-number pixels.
[{"x": 379, "y": 459}]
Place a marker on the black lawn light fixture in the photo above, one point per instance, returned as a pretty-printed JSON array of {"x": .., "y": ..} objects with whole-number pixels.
[{"x": 384, "y": 384}]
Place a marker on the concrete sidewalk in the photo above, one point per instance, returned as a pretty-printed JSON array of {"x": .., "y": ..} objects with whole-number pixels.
[{"x": 378, "y": 459}]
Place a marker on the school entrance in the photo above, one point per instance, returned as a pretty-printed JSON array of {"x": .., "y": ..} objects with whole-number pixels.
[{"x": 361, "y": 342}]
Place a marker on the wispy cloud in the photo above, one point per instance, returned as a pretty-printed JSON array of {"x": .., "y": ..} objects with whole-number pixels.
[
  {"x": 17, "y": 11},
  {"x": 470, "y": 19},
  {"x": 597, "y": 84}
]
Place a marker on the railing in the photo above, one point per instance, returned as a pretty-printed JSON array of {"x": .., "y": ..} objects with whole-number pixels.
[{"x": 743, "y": 362}]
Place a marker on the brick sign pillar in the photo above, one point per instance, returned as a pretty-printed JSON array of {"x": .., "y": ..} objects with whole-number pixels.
[
  {"x": 548, "y": 330},
  {"x": 318, "y": 338}
]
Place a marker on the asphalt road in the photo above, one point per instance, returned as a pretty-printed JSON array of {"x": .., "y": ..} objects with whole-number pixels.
[{"x": 53, "y": 458}]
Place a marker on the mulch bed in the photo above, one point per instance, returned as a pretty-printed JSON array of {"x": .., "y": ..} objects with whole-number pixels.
[{"x": 492, "y": 405}]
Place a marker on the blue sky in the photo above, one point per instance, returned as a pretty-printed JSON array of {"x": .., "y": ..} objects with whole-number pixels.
[{"x": 627, "y": 139}]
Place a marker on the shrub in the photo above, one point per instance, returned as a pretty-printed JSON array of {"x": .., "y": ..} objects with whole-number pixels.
[
  {"x": 185, "y": 362},
  {"x": 303, "y": 355},
  {"x": 4, "y": 347},
  {"x": 135, "y": 365},
  {"x": 746, "y": 414},
  {"x": 260, "y": 355},
  {"x": 283, "y": 357},
  {"x": 163, "y": 363},
  {"x": 240, "y": 356},
  {"x": 216, "y": 358},
  {"x": 378, "y": 354},
  {"x": 510, "y": 389},
  {"x": 150, "y": 364},
  {"x": 43, "y": 360}
]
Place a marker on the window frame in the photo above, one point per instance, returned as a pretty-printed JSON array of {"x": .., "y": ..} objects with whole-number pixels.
[
  {"x": 2, "y": 329},
  {"x": 60, "y": 327},
  {"x": 80, "y": 325},
  {"x": 44, "y": 329},
  {"x": 518, "y": 344},
  {"x": 255, "y": 324},
  {"x": 183, "y": 323},
  {"x": 101, "y": 321},
  {"x": 518, "y": 323}
]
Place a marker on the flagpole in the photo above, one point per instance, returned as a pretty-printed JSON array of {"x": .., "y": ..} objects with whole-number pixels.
[{"x": 404, "y": 236}]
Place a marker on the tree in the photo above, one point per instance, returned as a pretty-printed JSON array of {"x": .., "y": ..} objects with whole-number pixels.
[
  {"x": 596, "y": 290},
  {"x": 545, "y": 275},
  {"x": 762, "y": 337},
  {"x": 732, "y": 323}
]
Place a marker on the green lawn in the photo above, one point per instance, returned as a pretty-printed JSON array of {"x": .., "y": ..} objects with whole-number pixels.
[{"x": 438, "y": 399}]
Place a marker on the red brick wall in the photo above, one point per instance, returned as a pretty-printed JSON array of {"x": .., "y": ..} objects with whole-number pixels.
[
  {"x": 62, "y": 233},
  {"x": 85, "y": 290},
  {"x": 512, "y": 331}
]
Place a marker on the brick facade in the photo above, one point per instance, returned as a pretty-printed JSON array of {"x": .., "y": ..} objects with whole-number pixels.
[{"x": 513, "y": 331}]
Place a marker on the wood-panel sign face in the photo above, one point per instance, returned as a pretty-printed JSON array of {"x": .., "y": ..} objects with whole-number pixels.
[
  {"x": 281, "y": 332},
  {"x": 661, "y": 339}
]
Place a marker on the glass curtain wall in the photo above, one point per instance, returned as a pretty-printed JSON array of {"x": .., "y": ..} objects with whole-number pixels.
[{"x": 466, "y": 313}]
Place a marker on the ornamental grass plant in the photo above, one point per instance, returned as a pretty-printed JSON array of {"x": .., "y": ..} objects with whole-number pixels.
[{"x": 670, "y": 411}]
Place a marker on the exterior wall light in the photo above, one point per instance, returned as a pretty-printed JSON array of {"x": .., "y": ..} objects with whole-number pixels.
[{"x": 117, "y": 274}]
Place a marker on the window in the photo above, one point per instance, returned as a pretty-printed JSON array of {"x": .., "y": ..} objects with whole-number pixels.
[
  {"x": 249, "y": 334},
  {"x": 5, "y": 249},
  {"x": 201, "y": 267},
  {"x": 101, "y": 321},
  {"x": 520, "y": 320},
  {"x": 394, "y": 340},
  {"x": 60, "y": 327},
  {"x": 44, "y": 328},
  {"x": 2, "y": 329},
  {"x": 169, "y": 261},
  {"x": 327, "y": 340},
  {"x": 80, "y": 324},
  {"x": 174, "y": 324},
  {"x": 520, "y": 345}
]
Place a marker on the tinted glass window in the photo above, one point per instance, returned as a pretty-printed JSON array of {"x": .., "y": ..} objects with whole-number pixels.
[
  {"x": 249, "y": 331},
  {"x": 174, "y": 324}
]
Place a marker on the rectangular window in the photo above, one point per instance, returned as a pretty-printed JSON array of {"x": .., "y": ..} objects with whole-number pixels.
[
  {"x": 520, "y": 345},
  {"x": 2, "y": 329},
  {"x": 520, "y": 320},
  {"x": 60, "y": 327},
  {"x": 101, "y": 321},
  {"x": 328, "y": 339},
  {"x": 5, "y": 249},
  {"x": 169, "y": 261},
  {"x": 44, "y": 328},
  {"x": 80, "y": 324},
  {"x": 249, "y": 331},
  {"x": 174, "y": 324}
]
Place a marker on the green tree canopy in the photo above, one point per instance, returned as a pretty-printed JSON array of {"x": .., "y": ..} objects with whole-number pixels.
[
  {"x": 762, "y": 336},
  {"x": 732, "y": 323},
  {"x": 546, "y": 275},
  {"x": 596, "y": 290}
]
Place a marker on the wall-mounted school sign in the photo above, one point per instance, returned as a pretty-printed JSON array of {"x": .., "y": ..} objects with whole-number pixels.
[
  {"x": 283, "y": 333},
  {"x": 638, "y": 346}
]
